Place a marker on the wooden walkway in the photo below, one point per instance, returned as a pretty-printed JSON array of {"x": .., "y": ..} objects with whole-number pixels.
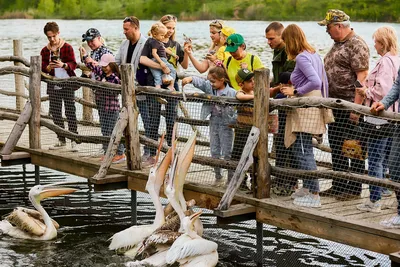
[{"x": 336, "y": 220}]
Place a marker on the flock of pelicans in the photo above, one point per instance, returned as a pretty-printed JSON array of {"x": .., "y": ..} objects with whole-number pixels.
[{"x": 173, "y": 237}]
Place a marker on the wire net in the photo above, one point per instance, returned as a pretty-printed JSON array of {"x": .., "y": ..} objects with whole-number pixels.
[{"x": 358, "y": 154}]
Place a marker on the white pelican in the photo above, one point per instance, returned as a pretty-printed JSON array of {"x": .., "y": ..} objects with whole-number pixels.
[
  {"x": 34, "y": 224},
  {"x": 173, "y": 187},
  {"x": 129, "y": 238},
  {"x": 190, "y": 249}
]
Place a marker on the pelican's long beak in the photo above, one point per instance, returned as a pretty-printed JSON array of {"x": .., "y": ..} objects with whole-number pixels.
[
  {"x": 194, "y": 216},
  {"x": 185, "y": 159},
  {"x": 51, "y": 191}
]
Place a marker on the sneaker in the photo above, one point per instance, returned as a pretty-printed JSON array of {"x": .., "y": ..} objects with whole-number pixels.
[
  {"x": 58, "y": 145},
  {"x": 302, "y": 192},
  {"x": 370, "y": 206},
  {"x": 74, "y": 147},
  {"x": 149, "y": 162},
  {"x": 393, "y": 222},
  {"x": 118, "y": 159},
  {"x": 310, "y": 201},
  {"x": 386, "y": 192},
  {"x": 99, "y": 153}
]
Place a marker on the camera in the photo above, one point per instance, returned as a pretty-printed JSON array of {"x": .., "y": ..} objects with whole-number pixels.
[{"x": 54, "y": 58}]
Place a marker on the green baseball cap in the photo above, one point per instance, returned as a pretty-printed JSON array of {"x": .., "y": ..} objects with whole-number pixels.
[
  {"x": 233, "y": 42},
  {"x": 243, "y": 75},
  {"x": 334, "y": 15}
]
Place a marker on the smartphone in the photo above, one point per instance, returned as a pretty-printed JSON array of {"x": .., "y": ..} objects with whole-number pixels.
[
  {"x": 358, "y": 84},
  {"x": 187, "y": 39},
  {"x": 54, "y": 58}
]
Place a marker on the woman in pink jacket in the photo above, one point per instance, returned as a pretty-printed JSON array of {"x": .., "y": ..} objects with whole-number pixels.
[{"x": 379, "y": 82}]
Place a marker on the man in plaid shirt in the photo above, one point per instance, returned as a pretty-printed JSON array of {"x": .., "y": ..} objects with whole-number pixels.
[{"x": 58, "y": 59}]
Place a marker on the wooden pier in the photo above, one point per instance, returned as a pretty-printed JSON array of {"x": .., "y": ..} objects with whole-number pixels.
[{"x": 338, "y": 221}]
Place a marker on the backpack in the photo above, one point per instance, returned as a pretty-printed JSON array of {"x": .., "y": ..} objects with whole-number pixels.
[{"x": 251, "y": 62}]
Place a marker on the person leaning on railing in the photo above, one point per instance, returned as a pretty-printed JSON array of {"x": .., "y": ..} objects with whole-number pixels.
[
  {"x": 309, "y": 80},
  {"x": 58, "y": 59},
  {"x": 393, "y": 164},
  {"x": 378, "y": 84}
]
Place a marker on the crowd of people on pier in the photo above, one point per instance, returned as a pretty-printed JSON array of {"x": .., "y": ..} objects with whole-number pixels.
[{"x": 298, "y": 71}]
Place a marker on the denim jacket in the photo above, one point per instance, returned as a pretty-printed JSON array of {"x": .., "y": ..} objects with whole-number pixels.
[{"x": 227, "y": 113}]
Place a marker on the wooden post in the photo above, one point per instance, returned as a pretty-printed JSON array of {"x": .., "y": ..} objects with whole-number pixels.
[
  {"x": 260, "y": 120},
  {"x": 87, "y": 111},
  {"x": 132, "y": 131},
  {"x": 17, "y": 130},
  {"x": 19, "y": 79},
  {"x": 34, "y": 96}
]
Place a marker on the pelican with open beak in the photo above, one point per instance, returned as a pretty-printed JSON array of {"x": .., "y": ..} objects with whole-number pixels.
[
  {"x": 34, "y": 224},
  {"x": 127, "y": 241},
  {"x": 190, "y": 249}
]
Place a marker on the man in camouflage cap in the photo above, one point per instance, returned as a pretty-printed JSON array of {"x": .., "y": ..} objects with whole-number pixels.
[
  {"x": 334, "y": 15},
  {"x": 345, "y": 63}
]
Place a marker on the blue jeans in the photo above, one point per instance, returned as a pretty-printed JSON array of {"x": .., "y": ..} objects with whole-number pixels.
[
  {"x": 394, "y": 165},
  {"x": 155, "y": 116},
  {"x": 376, "y": 157},
  {"x": 157, "y": 74},
  {"x": 221, "y": 139},
  {"x": 108, "y": 119},
  {"x": 303, "y": 158}
]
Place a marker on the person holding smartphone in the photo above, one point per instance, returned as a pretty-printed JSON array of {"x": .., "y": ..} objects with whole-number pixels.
[{"x": 58, "y": 60}]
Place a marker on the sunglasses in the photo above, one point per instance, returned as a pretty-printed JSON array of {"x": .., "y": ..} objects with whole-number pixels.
[
  {"x": 216, "y": 23},
  {"x": 169, "y": 18},
  {"x": 132, "y": 20}
]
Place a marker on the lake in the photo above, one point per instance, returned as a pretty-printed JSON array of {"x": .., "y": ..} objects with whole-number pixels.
[{"x": 89, "y": 218}]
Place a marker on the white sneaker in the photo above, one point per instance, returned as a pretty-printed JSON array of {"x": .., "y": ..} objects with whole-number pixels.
[
  {"x": 302, "y": 192},
  {"x": 74, "y": 147},
  {"x": 393, "y": 222},
  {"x": 99, "y": 153},
  {"x": 58, "y": 145},
  {"x": 310, "y": 201},
  {"x": 370, "y": 206}
]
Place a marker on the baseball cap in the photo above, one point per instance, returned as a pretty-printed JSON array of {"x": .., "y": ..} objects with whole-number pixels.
[
  {"x": 243, "y": 75},
  {"x": 227, "y": 31},
  {"x": 334, "y": 15},
  {"x": 90, "y": 34},
  {"x": 106, "y": 59},
  {"x": 233, "y": 42}
]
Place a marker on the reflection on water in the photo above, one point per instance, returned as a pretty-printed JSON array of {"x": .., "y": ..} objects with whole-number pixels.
[{"x": 89, "y": 218}]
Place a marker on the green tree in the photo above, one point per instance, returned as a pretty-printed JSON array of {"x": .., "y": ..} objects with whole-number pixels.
[{"x": 45, "y": 8}]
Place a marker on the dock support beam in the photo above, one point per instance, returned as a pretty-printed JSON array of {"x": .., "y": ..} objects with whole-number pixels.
[
  {"x": 134, "y": 207},
  {"x": 259, "y": 236},
  {"x": 37, "y": 174}
]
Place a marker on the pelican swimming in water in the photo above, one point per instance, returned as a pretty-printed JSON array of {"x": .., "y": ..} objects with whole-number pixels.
[
  {"x": 190, "y": 249},
  {"x": 34, "y": 224},
  {"x": 129, "y": 238}
]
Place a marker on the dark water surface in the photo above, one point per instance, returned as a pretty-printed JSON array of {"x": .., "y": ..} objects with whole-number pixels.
[{"x": 88, "y": 219}]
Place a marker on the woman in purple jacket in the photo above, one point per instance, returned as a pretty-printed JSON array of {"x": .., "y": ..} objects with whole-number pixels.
[{"x": 309, "y": 80}]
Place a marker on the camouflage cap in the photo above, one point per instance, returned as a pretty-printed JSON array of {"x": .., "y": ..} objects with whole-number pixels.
[{"x": 334, "y": 15}]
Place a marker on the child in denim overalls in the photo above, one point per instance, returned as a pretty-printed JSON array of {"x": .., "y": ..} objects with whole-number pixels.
[{"x": 221, "y": 135}]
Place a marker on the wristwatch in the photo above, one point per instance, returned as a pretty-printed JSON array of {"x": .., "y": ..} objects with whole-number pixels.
[
  {"x": 295, "y": 92},
  {"x": 64, "y": 65}
]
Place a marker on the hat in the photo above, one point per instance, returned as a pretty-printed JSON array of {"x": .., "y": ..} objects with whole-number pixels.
[
  {"x": 334, "y": 15},
  {"x": 233, "y": 42},
  {"x": 90, "y": 34},
  {"x": 106, "y": 59},
  {"x": 243, "y": 75},
  {"x": 227, "y": 31}
]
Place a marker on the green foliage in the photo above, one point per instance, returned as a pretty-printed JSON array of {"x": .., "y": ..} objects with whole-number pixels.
[{"x": 268, "y": 10}]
